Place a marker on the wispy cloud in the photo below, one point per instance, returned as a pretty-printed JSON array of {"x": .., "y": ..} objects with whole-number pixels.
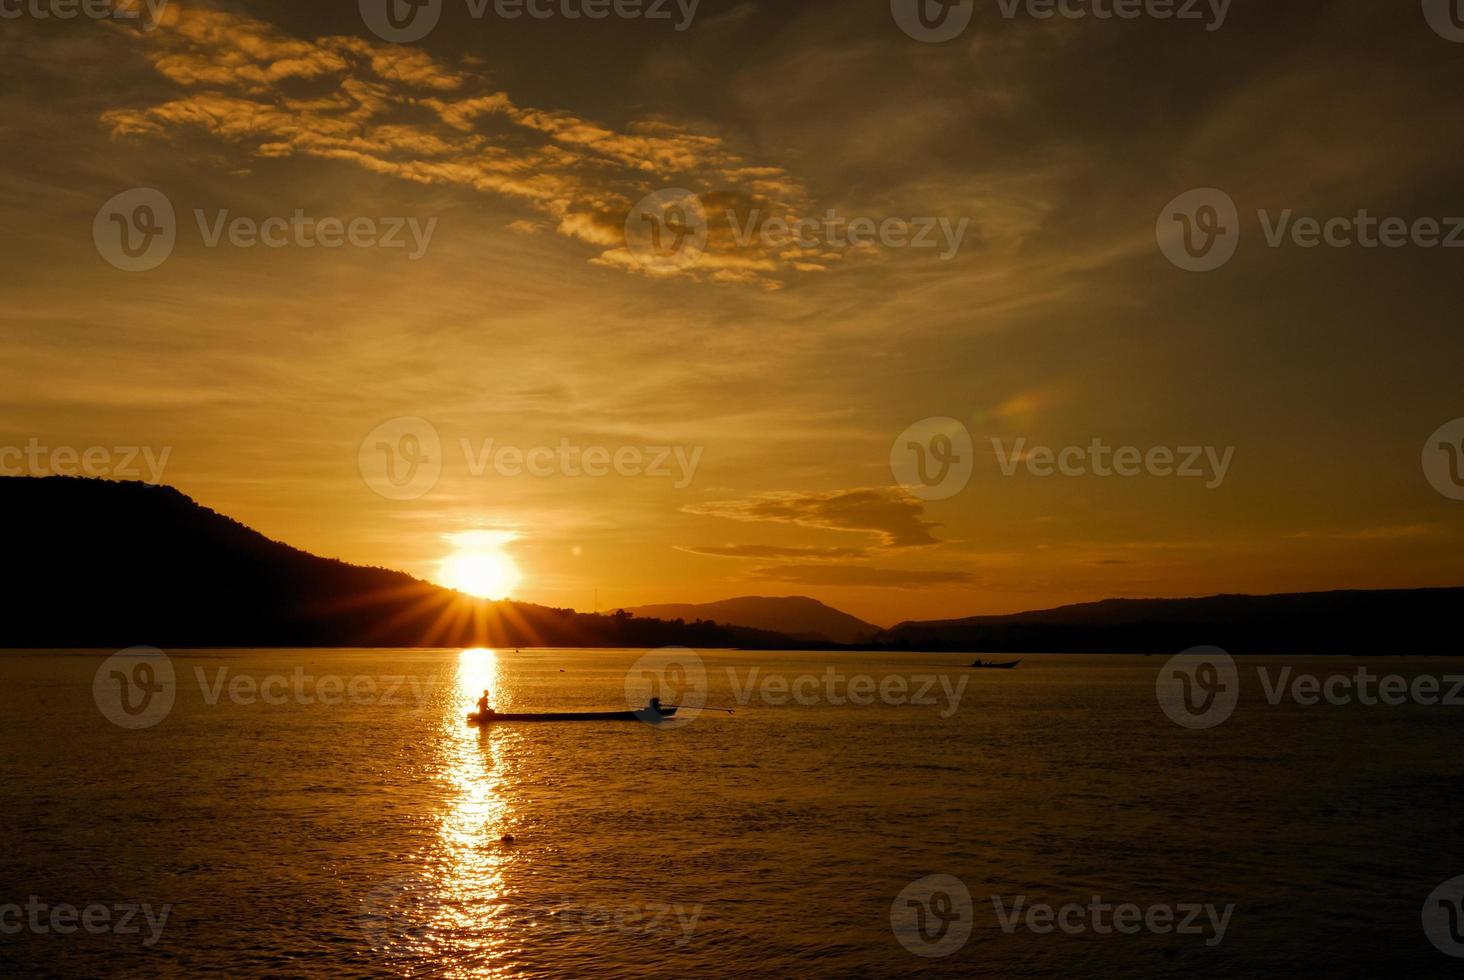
[
  {"x": 894, "y": 516},
  {"x": 766, "y": 552},
  {"x": 402, "y": 113},
  {"x": 1392, "y": 532},
  {"x": 862, "y": 576}
]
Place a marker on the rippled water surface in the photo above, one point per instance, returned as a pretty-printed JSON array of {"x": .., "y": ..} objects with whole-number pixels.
[{"x": 383, "y": 836}]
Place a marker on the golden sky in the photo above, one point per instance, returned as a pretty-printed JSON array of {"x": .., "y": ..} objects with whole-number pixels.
[{"x": 775, "y": 376}]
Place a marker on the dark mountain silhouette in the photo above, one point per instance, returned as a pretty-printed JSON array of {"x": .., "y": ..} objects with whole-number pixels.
[
  {"x": 1416, "y": 621},
  {"x": 97, "y": 563},
  {"x": 797, "y": 616}
]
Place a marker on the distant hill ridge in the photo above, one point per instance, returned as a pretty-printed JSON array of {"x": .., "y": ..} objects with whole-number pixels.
[
  {"x": 98, "y": 563},
  {"x": 1378, "y": 621},
  {"x": 797, "y": 616}
]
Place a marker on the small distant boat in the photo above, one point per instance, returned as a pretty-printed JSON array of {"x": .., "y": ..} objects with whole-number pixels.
[
  {"x": 645, "y": 714},
  {"x": 986, "y": 665}
]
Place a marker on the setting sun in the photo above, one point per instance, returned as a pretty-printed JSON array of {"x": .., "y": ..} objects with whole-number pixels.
[{"x": 479, "y": 566}]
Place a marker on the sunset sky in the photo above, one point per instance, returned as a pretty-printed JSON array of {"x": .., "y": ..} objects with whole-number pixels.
[{"x": 786, "y": 373}]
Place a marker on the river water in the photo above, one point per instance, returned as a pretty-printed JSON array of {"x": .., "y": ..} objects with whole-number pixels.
[{"x": 328, "y": 813}]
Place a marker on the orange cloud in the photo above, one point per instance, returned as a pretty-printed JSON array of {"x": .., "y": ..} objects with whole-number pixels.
[{"x": 242, "y": 78}]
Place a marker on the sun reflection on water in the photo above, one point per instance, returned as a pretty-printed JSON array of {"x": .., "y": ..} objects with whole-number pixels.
[
  {"x": 459, "y": 919},
  {"x": 469, "y": 868}
]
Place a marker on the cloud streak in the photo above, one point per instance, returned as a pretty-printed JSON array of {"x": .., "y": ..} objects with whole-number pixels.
[
  {"x": 769, "y": 552},
  {"x": 892, "y": 515},
  {"x": 401, "y": 113},
  {"x": 862, "y": 576}
]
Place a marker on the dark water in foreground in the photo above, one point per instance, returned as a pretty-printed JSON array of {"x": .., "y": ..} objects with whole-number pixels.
[{"x": 367, "y": 837}]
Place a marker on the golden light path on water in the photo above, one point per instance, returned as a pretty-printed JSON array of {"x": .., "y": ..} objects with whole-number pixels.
[{"x": 464, "y": 925}]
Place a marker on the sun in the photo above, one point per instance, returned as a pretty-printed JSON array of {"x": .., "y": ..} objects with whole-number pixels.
[{"x": 479, "y": 566}]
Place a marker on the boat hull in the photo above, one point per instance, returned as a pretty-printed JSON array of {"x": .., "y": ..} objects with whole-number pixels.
[{"x": 571, "y": 716}]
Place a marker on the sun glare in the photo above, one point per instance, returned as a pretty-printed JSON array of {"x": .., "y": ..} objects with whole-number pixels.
[{"x": 479, "y": 566}]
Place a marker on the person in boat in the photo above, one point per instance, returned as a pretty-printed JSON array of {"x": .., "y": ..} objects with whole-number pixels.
[
  {"x": 656, "y": 705},
  {"x": 483, "y": 704}
]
